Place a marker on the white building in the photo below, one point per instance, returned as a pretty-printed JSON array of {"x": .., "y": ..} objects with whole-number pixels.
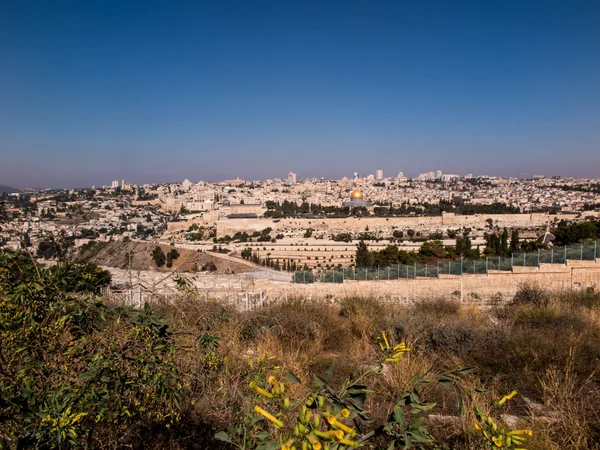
[
  {"x": 291, "y": 178},
  {"x": 115, "y": 184},
  {"x": 379, "y": 174}
]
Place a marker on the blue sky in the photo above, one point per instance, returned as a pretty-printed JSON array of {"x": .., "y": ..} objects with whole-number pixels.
[{"x": 92, "y": 91}]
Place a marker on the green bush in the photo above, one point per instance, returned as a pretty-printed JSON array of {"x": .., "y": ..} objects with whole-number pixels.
[{"x": 75, "y": 372}]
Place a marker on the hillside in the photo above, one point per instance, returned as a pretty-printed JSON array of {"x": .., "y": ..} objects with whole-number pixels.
[
  {"x": 8, "y": 190},
  {"x": 116, "y": 254}
]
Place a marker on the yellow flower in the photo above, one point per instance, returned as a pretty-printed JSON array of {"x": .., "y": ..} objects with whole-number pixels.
[
  {"x": 316, "y": 445},
  {"x": 517, "y": 432},
  {"x": 345, "y": 413},
  {"x": 387, "y": 344},
  {"x": 348, "y": 442},
  {"x": 497, "y": 441},
  {"x": 506, "y": 397},
  {"x": 260, "y": 390},
  {"x": 288, "y": 445},
  {"x": 337, "y": 424},
  {"x": 278, "y": 423}
]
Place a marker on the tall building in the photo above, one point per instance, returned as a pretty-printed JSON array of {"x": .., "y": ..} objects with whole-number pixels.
[
  {"x": 438, "y": 174},
  {"x": 379, "y": 174},
  {"x": 291, "y": 178},
  {"x": 115, "y": 184}
]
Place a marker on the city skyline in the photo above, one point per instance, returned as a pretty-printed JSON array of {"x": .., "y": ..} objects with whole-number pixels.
[{"x": 166, "y": 91}]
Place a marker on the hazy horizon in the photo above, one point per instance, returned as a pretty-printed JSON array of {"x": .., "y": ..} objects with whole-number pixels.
[{"x": 162, "y": 91}]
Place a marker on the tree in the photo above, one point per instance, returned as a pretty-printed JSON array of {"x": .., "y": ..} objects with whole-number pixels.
[
  {"x": 364, "y": 258},
  {"x": 158, "y": 256},
  {"x": 514, "y": 241},
  {"x": 504, "y": 242},
  {"x": 173, "y": 254},
  {"x": 48, "y": 249}
]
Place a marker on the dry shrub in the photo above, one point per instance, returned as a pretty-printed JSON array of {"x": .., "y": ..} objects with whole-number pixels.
[
  {"x": 564, "y": 422},
  {"x": 588, "y": 299},
  {"x": 523, "y": 345},
  {"x": 367, "y": 316},
  {"x": 531, "y": 294},
  {"x": 437, "y": 307}
]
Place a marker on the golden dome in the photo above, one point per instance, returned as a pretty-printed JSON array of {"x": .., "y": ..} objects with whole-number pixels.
[{"x": 356, "y": 195}]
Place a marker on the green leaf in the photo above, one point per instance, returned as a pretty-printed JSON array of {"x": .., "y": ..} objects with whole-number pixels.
[
  {"x": 445, "y": 381},
  {"x": 466, "y": 370},
  {"x": 222, "y": 436},
  {"x": 398, "y": 414},
  {"x": 419, "y": 436},
  {"x": 461, "y": 406},
  {"x": 292, "y": 378},
  {"x": 320, "y": 381},
  {"x": 262, "y": 435},
  {"x": 359, "y": 389}
]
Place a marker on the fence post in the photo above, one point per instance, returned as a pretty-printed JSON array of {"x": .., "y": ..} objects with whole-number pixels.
[
  {"x": 449, "y": 268},
  {"x": 425, "y": 270},
  {"x": 461, "y": 266},
  {"x": 333, "y": 275},
  {"x": 486, "y": 264},
  {"x": 342, "y": 275},
  {"x": 581, "y": 254},
  {"x": 552, "y": 256},
  {"x": 539, "y": 258},
  {"x": 378, "y": 272},
  {"x": 524, "y": 259},
  {"x": 304, "y": 271},
  {"x": 388, "y": 273},
  {"x": 438, "y": 269},
  {"x": 565, "y": 261},
  {"x": 354, "y": 271},
  {"x": 512, "y": 261},
  {"x": 595, "y": 249},
  {"x": 398, "y": 271},
  {"x": 407, "y": 271},
  {"x": 415, "y": 271}
]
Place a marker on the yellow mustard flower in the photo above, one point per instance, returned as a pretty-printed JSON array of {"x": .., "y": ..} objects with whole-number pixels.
[{"x": 278, "y": 423}]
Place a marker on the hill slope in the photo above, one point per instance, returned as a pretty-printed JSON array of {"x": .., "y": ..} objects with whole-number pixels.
[{"x": 115, "y": 254}]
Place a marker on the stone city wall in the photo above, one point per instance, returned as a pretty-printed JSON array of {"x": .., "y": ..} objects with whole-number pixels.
[
  {"x": 375, "y": 224},
  {"x": 496, "y": 286}
]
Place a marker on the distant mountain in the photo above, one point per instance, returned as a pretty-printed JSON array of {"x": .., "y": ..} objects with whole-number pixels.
[{"x": 8, "y": 189}]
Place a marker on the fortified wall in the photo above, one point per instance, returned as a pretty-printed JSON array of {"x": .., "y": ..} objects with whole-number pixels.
[
  {"x": 496, "y": 286},
  {"x": 376, "y": 224}
]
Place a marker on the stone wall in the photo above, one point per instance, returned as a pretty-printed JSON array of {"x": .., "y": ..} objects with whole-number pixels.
[
  {"x": 375, "y": 224},
  {"x": 496, "y": 286}
]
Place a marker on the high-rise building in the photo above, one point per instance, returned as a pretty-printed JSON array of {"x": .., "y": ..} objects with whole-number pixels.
[
  {"x": 379, "y": 174},
  {"x": 438, "y": 174},
  {"x": 115, "y": 184},
  {"x": 291, "y": 178}
]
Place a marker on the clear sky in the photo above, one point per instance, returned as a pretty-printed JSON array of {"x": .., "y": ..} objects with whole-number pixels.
[{"x": 92, "y": 91}]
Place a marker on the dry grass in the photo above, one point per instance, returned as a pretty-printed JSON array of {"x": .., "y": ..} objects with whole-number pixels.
[{"x": 547, "y": 346}]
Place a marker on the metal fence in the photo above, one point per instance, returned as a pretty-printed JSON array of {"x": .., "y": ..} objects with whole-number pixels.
[{"x": 555, "y": 255}]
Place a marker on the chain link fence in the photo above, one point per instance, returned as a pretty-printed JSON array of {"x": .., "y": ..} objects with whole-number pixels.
[{"x": 555, "y": 255}]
